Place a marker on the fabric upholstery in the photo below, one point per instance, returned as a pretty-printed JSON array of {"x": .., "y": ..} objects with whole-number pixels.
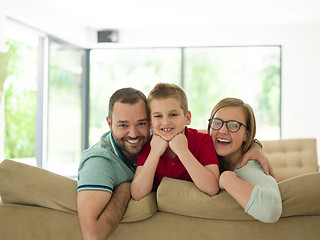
[
  {"x": 300, "y": 196},
  {"x": 23, "y": 222},
  {"x": 28, "y": 185},
  {"x": 174, "y": 196},
  {"x": 176, "y": 227},
  {"x": 24, "y": 184},
  {"x": 39, "y": 204},
  {"x": 292, "y": 157},
  {"x": 34, "y": 223}
]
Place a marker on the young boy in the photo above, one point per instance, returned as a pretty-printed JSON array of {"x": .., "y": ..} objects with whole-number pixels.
[{"x": 174, "y": 150}]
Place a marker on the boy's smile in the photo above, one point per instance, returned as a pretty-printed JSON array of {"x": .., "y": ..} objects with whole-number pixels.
[{"x": 168, "y": 118}]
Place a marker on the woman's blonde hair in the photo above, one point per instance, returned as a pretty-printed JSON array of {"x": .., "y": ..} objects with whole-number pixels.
[{"x": 249, "y": 115}]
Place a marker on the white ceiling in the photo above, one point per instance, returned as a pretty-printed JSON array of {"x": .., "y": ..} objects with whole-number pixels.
[{"x": 121, "y": 14}]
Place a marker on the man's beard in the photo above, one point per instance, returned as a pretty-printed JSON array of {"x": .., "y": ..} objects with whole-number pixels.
[{"x": 133, "y": 151}]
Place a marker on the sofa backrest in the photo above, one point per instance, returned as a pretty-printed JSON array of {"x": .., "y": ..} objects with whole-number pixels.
[{"x": 292, "y": 157}]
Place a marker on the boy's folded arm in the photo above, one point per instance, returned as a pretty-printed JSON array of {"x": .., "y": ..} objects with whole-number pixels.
[
  {"x": 206, "y": 178},
  {"x": 142, "y": 182}
]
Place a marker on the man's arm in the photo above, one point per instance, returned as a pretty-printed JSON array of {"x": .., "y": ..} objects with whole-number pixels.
[{"x": 100, "y": 212}]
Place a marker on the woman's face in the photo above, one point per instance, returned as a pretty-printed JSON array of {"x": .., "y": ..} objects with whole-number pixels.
[{"x": 228, "y": 144}]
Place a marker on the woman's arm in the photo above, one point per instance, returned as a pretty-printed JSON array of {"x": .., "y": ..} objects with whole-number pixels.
[
  {"x": 255, "y": 191},
  {"x": 237, "y": 188}
]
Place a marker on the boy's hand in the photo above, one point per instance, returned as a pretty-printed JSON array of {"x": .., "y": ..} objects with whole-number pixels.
[
  {"x": 179, "y": 143},
  {"x": 158, "y": 145}
]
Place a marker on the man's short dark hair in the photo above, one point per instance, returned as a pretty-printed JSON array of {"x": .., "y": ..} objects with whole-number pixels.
[{"x": 125, "y": 95}]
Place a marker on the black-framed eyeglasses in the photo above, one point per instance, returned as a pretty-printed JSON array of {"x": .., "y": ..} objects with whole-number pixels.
[{"x": 232, "y": 125}]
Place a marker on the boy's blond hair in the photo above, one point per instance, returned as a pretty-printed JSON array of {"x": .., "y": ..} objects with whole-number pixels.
[{"x": 169, "y": 90}]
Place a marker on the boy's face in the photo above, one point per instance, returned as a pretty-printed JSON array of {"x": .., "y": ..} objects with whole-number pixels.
[{"x": 167, "y": 117}]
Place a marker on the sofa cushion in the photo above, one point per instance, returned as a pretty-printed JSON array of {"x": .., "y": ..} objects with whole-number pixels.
[
  {"x": 24, "y": 184},
  {"x": 28, "y": 185},
  {"x": 292, "y": 157},
  {"x": 300, "y": 196},
  {"x": 142, "y": 209},
  {"x": 184, "y": 198},
  {"x": 26, "y": 222}
]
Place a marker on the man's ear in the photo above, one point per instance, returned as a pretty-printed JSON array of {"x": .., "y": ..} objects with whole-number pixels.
[
  {"x": 188, "y": 118},
  {"x": 108, "y": 121}
]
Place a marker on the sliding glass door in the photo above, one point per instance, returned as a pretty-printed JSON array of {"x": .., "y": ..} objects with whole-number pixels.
[{"x": 64, "y": 108}]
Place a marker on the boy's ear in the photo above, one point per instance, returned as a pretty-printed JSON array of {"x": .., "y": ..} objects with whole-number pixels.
[
  {"x": 188, "y": 118},
  {"x": 150, "y": 124}
]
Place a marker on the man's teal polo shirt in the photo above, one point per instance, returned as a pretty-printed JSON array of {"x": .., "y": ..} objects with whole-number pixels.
[{"x": 104, "y": 167}]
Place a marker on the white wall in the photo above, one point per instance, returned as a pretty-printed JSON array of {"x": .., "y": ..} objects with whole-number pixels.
[
  {"x": 35, "y": 14},
  {"x": 2, "y": 20}
]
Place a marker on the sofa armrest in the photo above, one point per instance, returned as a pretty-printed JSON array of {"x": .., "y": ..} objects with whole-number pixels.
[{"x": 27, "y": 185}]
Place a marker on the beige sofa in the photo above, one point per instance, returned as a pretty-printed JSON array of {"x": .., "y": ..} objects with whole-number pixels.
[{"x": 38, "y": 204}]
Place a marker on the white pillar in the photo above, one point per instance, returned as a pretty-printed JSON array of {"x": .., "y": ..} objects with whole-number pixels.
[
  {"x": 2, "y": 42},
  {"x": 2, "y": 21}
]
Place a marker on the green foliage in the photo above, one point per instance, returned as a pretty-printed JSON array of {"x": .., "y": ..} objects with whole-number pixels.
[
  {"x": 20, "y": 123},
  {"x": 210, "y": 74},
  {"x": 4, "y": 59},
  {"x": 20, "y": 102},
  {"x": 269, "y": 97}
]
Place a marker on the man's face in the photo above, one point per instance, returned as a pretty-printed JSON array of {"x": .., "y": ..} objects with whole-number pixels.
[{"x": 130, "y": 127}]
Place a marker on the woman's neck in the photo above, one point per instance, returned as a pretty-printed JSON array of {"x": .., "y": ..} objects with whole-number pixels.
[{"x": 232, "y": 160}]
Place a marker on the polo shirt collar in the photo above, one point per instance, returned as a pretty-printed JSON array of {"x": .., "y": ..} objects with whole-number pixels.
[{"x": 118, "y": 152}]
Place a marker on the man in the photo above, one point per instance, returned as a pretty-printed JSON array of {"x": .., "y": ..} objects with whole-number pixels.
[
  {"x": 107, "y": 168},
  {"x": 111, "y": 164}
]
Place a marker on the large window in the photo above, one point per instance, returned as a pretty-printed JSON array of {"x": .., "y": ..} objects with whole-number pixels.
[
  {"x": 117, "y": 68},
  {"x": 64, "y": 108},
  {"x": 44, "y": 112},
  {"x": 207, "y": 74},
  {"x": 249, "y": 73},
  {"x": 20, "y": 96},
  {"x": 41, "y": 115}
]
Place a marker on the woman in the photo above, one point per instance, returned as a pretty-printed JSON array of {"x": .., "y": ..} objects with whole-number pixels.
[{"x": 232, "y": 127}]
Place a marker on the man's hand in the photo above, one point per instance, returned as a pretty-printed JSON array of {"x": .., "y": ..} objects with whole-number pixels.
[
  {"x": 255, "y": 153},
  {"x": 100, "y": 212}
]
